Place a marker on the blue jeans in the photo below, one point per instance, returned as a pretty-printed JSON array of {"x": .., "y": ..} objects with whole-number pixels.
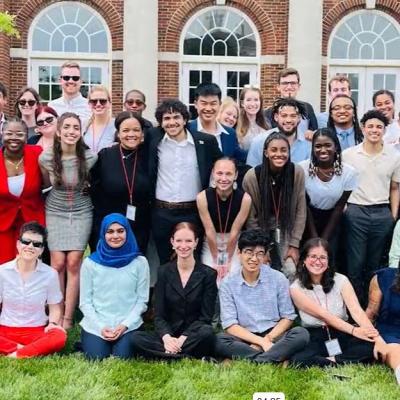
[{"x": 96, "y": 348}]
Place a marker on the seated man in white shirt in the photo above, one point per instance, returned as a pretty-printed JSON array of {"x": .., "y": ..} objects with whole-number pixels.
[
  {"x": 26, "y": 287},
  {"x": 71, "y": 99}
]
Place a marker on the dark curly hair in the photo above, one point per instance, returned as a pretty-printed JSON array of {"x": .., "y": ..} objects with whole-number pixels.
[
  {"x": 374, "y": 114},
  {"x": 171, "y": 106},
  {"x": 303, "y": 275}
]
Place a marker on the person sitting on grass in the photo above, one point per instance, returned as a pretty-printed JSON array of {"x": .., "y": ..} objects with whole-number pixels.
[
  {"x": 27, "y": 285},
  {"x": 185, "y": 295},
  {"x": 323, "y": 297},
  {"x": 256, "y": 310},
  {"x": 114, "y": 291}
]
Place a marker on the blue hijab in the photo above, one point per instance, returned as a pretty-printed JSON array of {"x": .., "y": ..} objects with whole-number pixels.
[{"x": 122, "y": 256}]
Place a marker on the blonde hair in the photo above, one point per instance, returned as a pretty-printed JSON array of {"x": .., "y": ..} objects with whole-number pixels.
[
  {"x": 70, "y": 64},
  {"x": 97, "y": 88},
  {"x": 226, "y": 103},
  {"x": 243, "y": 124}
]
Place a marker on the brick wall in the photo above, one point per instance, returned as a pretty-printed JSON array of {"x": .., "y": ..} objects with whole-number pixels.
[{"x": 26, "y": 11}]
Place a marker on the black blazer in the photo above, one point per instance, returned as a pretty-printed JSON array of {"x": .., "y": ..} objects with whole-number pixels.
[
  {"x": 182, "y": 311},
  {"x": 207, "y": 152}
]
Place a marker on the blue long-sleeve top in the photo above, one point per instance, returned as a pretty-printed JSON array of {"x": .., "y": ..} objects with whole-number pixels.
[{"x": 113, "y": 296}]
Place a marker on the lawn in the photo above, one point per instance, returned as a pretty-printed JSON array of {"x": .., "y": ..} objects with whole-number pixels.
[{"x": 70, "y": 377}]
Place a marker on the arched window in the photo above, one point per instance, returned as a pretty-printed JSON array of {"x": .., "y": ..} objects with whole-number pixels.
[
  {"x": 68, "y": 31},
  {"x": 365, "y": 46},
  {"x": 221, "y": 45}
]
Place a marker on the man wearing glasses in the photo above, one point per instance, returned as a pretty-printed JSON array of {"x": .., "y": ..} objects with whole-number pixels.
[
  {"x": 256, "y": 309},
  {"x": 26, "y": 287},
  {"x": 71, "y": 99}
]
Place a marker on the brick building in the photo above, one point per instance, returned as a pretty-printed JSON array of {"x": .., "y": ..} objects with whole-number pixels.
[{"x": 166, "y": 47}]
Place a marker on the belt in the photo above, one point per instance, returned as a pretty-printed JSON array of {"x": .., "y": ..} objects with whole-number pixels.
[
  {"x": 386, "y": 205},
  {"x": 173, "y": 206}
]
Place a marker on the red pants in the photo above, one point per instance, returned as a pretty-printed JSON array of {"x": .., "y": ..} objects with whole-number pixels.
[{"x": 35, "y": 340}]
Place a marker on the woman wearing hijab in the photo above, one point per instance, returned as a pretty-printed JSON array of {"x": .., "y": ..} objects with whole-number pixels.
[{"x": 114, "y": 291}]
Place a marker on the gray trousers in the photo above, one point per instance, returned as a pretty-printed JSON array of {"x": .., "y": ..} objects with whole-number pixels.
[{"x": 292, "y": 341}]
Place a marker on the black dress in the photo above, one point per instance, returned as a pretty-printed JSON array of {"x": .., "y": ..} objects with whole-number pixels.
[{"x": 110, "y": 192}]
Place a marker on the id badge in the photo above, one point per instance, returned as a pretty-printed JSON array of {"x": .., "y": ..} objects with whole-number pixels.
[
  {"x": 333, "y": 347},
  {"x": 277, "y": 235},
  {"x": 131, "y": 212}
]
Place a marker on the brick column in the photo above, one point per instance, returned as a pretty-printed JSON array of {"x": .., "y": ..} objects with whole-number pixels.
[{"x": 5, "y": 51}]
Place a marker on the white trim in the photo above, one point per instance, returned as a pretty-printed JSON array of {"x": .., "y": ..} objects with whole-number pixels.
[
  {"x": 16, "y": 52},
  {"x": 370, "y": 4},
  {"x": 67, "y": 56},
  {"x": 219, "y": 60},
  {"x": 272, "y": 59},
  {"x": 227, "y": 8},
  {"x": 336, "y": 61},
  {"x": 117, "y": 55},
  {"x": 364, "y": 63},
  {"x": 324, "y": 60},
  {"x": 168, "y": 56},
  {"x": 220, "y": 2}
]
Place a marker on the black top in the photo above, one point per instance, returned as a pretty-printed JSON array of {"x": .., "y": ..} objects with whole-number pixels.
[
  {"x": 34, "y": 139},
  {"x": 182, "y": 310},
  {"x": 223, "y": 208},
  {"x": 108, "y": 184}
]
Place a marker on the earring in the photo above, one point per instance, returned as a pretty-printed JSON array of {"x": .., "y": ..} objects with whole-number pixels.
[{"x": 235, "y": 185}]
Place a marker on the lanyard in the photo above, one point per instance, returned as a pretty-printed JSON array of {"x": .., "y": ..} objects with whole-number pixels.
[
  {"x": 129, "y": 186},
  {"x": 277, "y": 207},
  {"x": 326, "y": 307},
  {"x": 223, "y": 231}
]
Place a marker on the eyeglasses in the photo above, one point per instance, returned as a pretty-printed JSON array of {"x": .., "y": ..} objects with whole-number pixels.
[
  {"x": 321, "y": 259},
  {"x": 66, "y": 78},
  {"x": 251, "y": 253},
  {"x": 94, "y": 102},
  {"x": 48, "y": 120},
  {"x": 132, "y": 102},
  {"x": 18, "y": 135},
  {"x": 23, "y": 102},
  {"x": 289, "y": 83},
  {"x": 27, "y": 242}
]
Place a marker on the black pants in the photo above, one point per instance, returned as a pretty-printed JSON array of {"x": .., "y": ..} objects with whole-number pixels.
[
  {"x": 163, "y": 222},
  {"x": 368, "y": 228},
  {"x": 198, "y": 344},
  {"x": 354, "y": 350}
]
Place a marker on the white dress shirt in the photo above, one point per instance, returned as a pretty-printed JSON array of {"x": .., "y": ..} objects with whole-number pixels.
[
  {"x": 23, "y": 302},
  {"x": 178, "y": 178},
  {"x": 78, "y": 105},
  {"x": 220, "y": 130}
]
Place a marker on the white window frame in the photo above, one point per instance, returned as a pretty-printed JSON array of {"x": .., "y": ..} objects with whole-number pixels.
[
  {"x": 187, "y": 62},
  {"x": 58, "y": 58}
]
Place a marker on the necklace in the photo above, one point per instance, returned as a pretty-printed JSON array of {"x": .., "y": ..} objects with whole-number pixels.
[
  {"x": 15, "y": 164},
  {"x": 326, "y": 174}
]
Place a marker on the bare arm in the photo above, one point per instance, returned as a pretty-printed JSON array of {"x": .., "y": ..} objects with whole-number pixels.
[
  {"x": 374, "y": 299},
  {"x": 45, "y": 177},
  {"x": 280, "y": 328},
  {"x": 238, "y": 224},
  {"x": 208, "y": 225},
  {"x": 394, "y": 198},
  {"x": 55, "y": 313},
  {"x": 245, "y": 335}
]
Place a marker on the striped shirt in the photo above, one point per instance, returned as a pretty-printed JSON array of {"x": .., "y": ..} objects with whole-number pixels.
[{"x": 256, "y": 307}]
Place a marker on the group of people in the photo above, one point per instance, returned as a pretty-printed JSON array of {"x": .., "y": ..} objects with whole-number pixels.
[{"x": 255, "y": 206}]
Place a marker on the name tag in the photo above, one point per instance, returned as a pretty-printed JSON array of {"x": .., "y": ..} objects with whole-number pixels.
[
  {"x": 131, "y": 212},
  {"x": 333, "y": 347}
]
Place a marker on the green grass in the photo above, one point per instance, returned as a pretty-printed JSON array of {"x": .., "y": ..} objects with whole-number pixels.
[{"x": 69, "y": 376}]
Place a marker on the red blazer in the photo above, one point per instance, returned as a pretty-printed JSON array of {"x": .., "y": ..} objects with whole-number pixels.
[{"x": 30, "y": 203}]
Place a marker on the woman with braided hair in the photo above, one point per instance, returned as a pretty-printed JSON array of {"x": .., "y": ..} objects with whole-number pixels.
[
  {"x": 329, "y": 183},
  {"x": 278, "y": 201}
]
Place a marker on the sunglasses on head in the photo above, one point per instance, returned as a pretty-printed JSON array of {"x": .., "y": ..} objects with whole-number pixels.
[
  {"x": 30, "y": 103},
  {"x": 94, "y": 102},
  {"x": 66, "y": 78},
  {"x": 48, "y": 120},
  {"x": 132, "y": 102},
  {"x": 27, "y": 242}
]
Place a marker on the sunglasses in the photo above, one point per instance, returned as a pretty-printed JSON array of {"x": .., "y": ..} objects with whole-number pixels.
[
  {"x": 132, "y": 102},
  {"x": 48, "y": 120},
  {"x": 27, "y": 242},
  {"x": 66, "y": 78},
  {"x": 94, "y": 102},
  {"x": 30, "y": 103}
]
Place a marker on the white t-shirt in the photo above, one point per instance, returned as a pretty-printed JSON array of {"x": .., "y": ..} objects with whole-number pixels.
[
  {"x": 392, "y": 133},
  {"x": 332, "y": 301},
  {"x": 325, "y": 195}
]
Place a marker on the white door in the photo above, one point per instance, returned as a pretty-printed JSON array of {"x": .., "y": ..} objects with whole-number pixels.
[
  {"x": 230, "y": 78},
  {"x": 44, "y": 75},
  {"x": 365, "y": 81}
]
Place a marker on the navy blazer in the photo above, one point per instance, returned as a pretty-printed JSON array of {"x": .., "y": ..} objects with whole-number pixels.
[
  {"x": 230, "y": 145},
  {"x": 207, "y": 152},
  {"x": 183, "y": 310}
]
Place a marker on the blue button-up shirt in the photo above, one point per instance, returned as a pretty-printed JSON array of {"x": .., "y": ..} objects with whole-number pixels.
[
  {"x": 257, "y": 307},
  {"x": 346, "y": 137},
  {"x": 300, "y": 150}
]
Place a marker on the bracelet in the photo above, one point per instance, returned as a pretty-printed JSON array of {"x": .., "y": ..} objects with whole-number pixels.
[{"x": 52, "y": 322}]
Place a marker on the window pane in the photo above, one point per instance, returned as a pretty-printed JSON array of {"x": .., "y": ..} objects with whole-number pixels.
[
  {"x": 69, "y": 12},
  {"x": 390, "y": 83},
  {"x": 248, "y": 47},
  {"x": 191, "y": 95},
  {"x": 220, "y": 49},
  {"x": 70, "y": 45},
  {"x": 392, "y": 50},
  {"x": 55, "y": 91},
  {"x": 232, "y": 93},
  {"x": 379, "y": 50},
  {"x": 85, "y": 74},
  {"x": 367, "y": 20},
  {"x": 338, "y": 49},
  {"x": 55, "y": 73},
  {"x": 232, "y": 46},
  {"x": 244, "y": 78},
  {"x": 354, "y": 24},
  {"x": 232, "y": 79},
  {"x": 95, "y": 76},
  {"x": 44, "y": 74},
  {"x": 378, "y": 82},
  {"x": 44, "y": 92},
  {"x": 206, "y": 76},
  {"x": 40, "y": 41},
  {"x": 194, "y": 78},
  {"x": 99, "y": 43},
  {"x": 366, "y": 52}
]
